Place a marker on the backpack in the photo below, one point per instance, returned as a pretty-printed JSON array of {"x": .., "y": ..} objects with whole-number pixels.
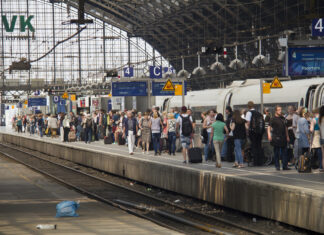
[
  {"x": 186, "y": 126},
  {"x": 257, "y": 123},
  {"x": 89, "y": 122}
]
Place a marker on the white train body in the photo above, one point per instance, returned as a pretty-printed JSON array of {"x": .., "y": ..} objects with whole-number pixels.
[{"x": 306, "y": 92}]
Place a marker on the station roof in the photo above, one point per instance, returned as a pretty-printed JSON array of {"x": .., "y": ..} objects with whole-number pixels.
[{"x": 178, "y": 28}]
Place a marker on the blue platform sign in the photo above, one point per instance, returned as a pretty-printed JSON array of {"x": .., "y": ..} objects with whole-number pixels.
[
  {"x": 128, "y": 72},
  {"x": 129, "y": 89},
  {"x": 56, "y": 99},
  {"x": 318, "y": 27},
  {"x": 158, "y": 86},
  {"x": 307, "y": 61},
  {"x": 155, "y": 72},
  {"x": 168, "y": 69},
  {"x": 33, "y": 102}
]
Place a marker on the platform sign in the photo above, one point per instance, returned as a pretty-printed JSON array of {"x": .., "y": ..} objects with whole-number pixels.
[
  {"x": 178, "y": 90},
  {"x": 307, "y": 61},
  {"x": 128, "y": 72},
  {"x": 56, "y": 99},
  {"x": 266, "y": 88},
  {"x": 129, "y": 89},
  {"x": 276, "y": 83},
  {"x": 168, "y": 70},
  {"x": 155, "y": 72},
  {"x": 158, "y": 86},
  {"x": 318, "y": 27},
  {"x": 168, "y": 86},
  {"x": 34, "y": 102}
]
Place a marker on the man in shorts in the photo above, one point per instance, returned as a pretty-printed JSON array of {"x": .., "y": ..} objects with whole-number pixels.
[{"x": 185, "y": 125}]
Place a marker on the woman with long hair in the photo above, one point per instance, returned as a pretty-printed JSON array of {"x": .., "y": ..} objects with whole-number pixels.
[
  {"x": 237, "y": 126},
  {"x": 145, "y": 126}
]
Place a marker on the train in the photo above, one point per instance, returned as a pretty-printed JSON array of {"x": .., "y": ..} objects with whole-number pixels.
[{"x": 304, "y": 92}]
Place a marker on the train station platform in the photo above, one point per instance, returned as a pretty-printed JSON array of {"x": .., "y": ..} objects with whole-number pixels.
[
  {"x": 285, "y": 196},
  {"x": 28, "y": 199}
]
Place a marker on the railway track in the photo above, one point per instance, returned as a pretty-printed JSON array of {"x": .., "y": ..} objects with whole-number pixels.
[{"x": 149, "y": 207}]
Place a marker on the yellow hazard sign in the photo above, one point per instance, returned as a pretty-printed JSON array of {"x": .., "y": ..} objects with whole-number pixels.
[
  {"x": 168, "y": 86},
  {"x": 65, "y": 95},
  {"x": 266, "y": 88},
  {"x": 178, "y": 90},
  {"x": 276, "y": 83},
  {"x": 73, "y": 97}
]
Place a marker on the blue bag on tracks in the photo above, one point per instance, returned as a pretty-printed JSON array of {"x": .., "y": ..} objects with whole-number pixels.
[{"x": 67, "y": 209}]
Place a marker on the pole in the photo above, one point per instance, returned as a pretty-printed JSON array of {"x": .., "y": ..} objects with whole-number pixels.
[
  {"x": 149, "y": 93},
  {"x": 286, "y": 58},
  {"x": 261, "y": 95},
  {"x": 183, "y": 92}
]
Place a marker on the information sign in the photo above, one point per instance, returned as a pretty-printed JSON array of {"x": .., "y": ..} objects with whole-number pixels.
[
  {"x": 318, "y": 27},
  {"x": 128, "y": 72},
  {"x": 155, "y": 72},
  {"x": 129, "y": 89},
  {"x": 308, "y": 61},
  {"x": 33, "y": 102}
]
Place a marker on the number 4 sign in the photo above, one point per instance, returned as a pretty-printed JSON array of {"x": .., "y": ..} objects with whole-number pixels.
[
  {"x": 318, "y": 27},
  {"x": 128, "y": 72}
]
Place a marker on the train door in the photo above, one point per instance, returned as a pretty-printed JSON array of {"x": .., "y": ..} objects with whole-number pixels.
[
  {"x": 227, "y": 100},
  {"x": 309, "y": 102},
  {"x": 318, "y": 98}
]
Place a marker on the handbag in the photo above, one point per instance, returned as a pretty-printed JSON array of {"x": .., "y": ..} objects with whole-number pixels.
[{"x": 139, "y": 132}]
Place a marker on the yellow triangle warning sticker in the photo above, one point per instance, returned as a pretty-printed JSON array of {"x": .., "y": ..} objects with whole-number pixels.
[
  {"x": 276, "y": 83},
  {"x": 168, "y": 86}
]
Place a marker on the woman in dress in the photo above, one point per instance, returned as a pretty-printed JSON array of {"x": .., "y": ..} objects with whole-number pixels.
[{"x": 145, "y": 126}]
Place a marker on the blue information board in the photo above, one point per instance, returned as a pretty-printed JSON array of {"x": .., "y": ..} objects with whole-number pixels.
[
  {"x": 155, "y": 72},
  {"x": 128, "y": 72},
  {"x": 158, "y": 86},
  {"x": 318, "y": 27},
  {"x": 307, "y": 61},
  {"x": 129, "y": 89},
  {"x": 33, "y": 102}
]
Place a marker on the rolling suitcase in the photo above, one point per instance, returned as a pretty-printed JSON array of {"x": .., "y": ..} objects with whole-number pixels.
[
  {"x": 108, "y": 139},
  {"x": 121, "y": 140},
  {"x": 195, "y": 155}
]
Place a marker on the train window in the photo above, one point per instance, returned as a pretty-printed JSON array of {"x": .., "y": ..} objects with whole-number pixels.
[{"x": 301, "y": 103}]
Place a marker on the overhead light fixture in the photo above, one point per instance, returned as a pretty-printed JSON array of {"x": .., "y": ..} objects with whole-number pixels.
[
  {"x": 281, "y": 55},
  {"x": 199, "y": 70},
  {"x": 236, "y": 63},
  {"x": 260, "y": 59},
  {"x": 217, "y": 65},
  {"x": 183, "y": 73}
]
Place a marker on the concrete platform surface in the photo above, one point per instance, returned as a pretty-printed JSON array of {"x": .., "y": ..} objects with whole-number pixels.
[
  {"x": 28, "y": 199},
  {"x": 285, "y": 196}
]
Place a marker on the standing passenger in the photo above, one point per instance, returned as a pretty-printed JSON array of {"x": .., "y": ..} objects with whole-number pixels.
[
  {"x": 278, "y": 136},
  {"x": 239, "y": 135},
  {"x": 130, "y": 130},
  {"x": 303, "y": 131},
  {"x": 156, "y": 132},
  {"x": 321, "y": 124},
  {"x": 316, "y": 141},
  {"x": 209, "y": 120},
  {"x": 217, "y": 136},
  {"x": 172, "y": 136},
  {"x": 145, "y": 125},
  {"x": 184, "y": 123},
  {"x": 255, "y": 127}
]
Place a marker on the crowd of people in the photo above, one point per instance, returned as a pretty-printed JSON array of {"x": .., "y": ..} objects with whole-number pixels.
[{"x": 236, "y": 137}]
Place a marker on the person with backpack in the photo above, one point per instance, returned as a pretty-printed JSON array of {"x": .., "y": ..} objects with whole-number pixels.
[
  {"x": 279, "y": 138},
  {"x": 255, "y": 130},
  {"x": 40, "y": 124},
  {"x": 87, "y": 126},
  {"x": 185, "y": 125},
  {"x": 209, "y": 120},
  {"x": 217, "y": 136}
]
